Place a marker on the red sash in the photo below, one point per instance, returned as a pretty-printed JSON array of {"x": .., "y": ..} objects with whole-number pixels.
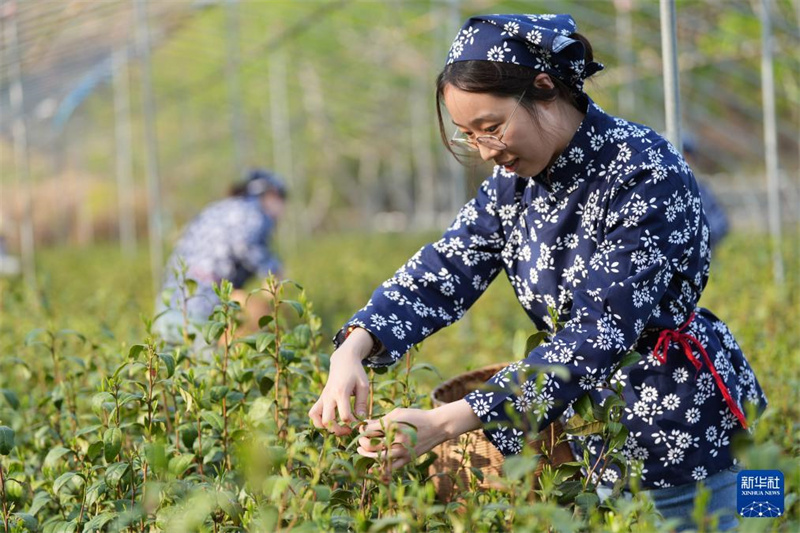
[{"x": 686, "y": 340}]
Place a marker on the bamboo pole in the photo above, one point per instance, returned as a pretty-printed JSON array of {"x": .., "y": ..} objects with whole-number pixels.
[
  {"x": 19, "y": 132},
  {"x": 154, "y": 217},
  {"x": 771, "y": 141},
  {"x": 422, "y": 154},
  {"x": 124, "y": 159},
  {"x": 626, "y": 95},
  {"x": 232, "y": 77},
  {"x": 282, "y": 138}
]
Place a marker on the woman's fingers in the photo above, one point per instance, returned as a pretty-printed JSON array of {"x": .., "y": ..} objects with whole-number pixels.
[
  {"x": 329, "y": 419},
  {"x": 315, "y": 414},
  {"x": 362, "y": 398},
  {"x": 323, "y": 415},
  {"x": 368, "y": 453},
  {"x": 397, "y": 451},
  {"x": 399, "y": 456},
  {"x": 343, "y": 405}
]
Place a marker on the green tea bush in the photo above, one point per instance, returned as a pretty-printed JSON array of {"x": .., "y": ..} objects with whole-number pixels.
[{"x": 98, "y": 433}]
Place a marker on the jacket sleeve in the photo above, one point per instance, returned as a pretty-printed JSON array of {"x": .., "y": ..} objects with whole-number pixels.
[
  {"x": 652, "y": 223},
  {"x": 439, "y": 283}
]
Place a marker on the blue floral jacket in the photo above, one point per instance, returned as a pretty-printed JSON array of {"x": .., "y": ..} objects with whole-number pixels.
[
  {"x": 614, "y": 239},
  {"x": 229, "y": 239}
]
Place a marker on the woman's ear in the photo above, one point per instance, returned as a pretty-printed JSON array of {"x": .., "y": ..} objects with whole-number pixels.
[{"x": 543, "y": 82}]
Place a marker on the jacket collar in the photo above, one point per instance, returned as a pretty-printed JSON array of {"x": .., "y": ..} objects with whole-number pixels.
[{"x": 587, "y": 143}]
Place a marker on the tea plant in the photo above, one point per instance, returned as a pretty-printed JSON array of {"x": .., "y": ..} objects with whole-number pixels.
[{"x": 98, "y": 433}]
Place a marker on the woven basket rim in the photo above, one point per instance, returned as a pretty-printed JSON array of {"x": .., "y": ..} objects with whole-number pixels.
[{"x": 437, "y": 392}]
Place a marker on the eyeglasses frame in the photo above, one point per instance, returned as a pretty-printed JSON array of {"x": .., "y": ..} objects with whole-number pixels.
[{"x": 472, "y": 145}]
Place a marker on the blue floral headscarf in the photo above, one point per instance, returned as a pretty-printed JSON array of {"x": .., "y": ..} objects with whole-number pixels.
[{"x": 541, "y": 42}]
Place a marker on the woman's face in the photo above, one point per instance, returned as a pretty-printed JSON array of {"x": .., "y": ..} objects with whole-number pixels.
[
  {"x": 531, "y": 146},
  {"x": 273, "y": 205}
]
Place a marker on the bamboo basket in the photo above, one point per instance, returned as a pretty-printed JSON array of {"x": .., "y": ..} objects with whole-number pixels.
[{"x": 452, "y": 467}]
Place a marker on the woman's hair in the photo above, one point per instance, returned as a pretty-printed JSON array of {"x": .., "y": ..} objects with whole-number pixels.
[
  {"x": 238, "y": 189},
  {"x": 504, "y": 80}
]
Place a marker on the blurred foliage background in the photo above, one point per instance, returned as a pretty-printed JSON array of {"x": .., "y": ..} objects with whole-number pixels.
[{"x": 338, "y": 96}]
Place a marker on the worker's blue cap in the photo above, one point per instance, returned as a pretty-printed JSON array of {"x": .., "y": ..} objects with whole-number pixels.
[{"x": 260, "y": 181}]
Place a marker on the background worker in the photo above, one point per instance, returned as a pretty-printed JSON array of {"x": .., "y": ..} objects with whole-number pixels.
[{"x": 230, "y": 239}]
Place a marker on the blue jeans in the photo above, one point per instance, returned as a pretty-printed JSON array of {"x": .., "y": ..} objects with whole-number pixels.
[{"x": 678, "y": 502}]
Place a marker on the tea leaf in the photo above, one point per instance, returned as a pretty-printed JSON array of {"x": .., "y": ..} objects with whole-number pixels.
[
  {"x": 94, "y": 492},
  {"x": 213, "y": 419},
  {"x": 97, "y": 522},
  {"x": 29, "y": 522},
  {"x": 191, "y": 286},
  {"x": 54, "y": 455},
  {"x": 516, "y": 467},
  {"x": 583, "y": 407},
  {"x": 587, "y": 500},
  {"x": 302, "y": 335},
  {"x": 6, "y": 440},
  {"x": 188, "y": 435},
  {"x": 212, "y": 331},
  {"x": 535, "y": 340},
  {"x": 32, "y": 336},
  {"x": 265, "y": 385},
  {"x": 297, "y": 306},
  {"x": 169, "y": 361},
  {"x": 156, "y": 457},
  {"x": 388, "y": 523},
  {"x": 178, "y": 465},
  {"x": 188, "y": 399},
  {"x": 70, "y": 332},
  {"x": 136, "y": 350},
  {"x": 426, "y": 366},
  {"x": 95, "y": 450},
  {"x": 88, "y": 429},
  {"x": 102, "y": 401},
  {"x": 112, "y": 443},
  {"x": 11, "y": 398},
  {"x": 218, "y": 392},
  {"x": 578, "y": 426},
  {"x": 264, "y": 341},
  {"x": 62, "y": 480},
  {"x": 115, "y": 472},
  {"x": 40, "y": 499}
]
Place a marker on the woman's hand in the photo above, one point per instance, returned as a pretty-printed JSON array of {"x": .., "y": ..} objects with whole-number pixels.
[
  {"x": 347, "y": 378},
  {"x": 432, "y": 427}
]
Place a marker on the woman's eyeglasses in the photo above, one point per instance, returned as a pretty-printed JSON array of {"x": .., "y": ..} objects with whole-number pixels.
[{"x": 489, "y": 141}]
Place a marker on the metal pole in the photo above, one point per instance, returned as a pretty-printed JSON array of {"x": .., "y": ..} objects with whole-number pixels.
[
  {"x": 154, "y": 222},
  {"x": 19, "y": 132},
  {"x": 771, "y": 141},
  {"x": 282, "y": 136},
  {"x": 422, "y": 154},
  {"x": 669, "y": 61},
  {"x": 234, "y": 84},
  {"x": 124, "y": 159},
  {"x": 457, "y": 173},
  {"x": 626, "y": 97}
]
